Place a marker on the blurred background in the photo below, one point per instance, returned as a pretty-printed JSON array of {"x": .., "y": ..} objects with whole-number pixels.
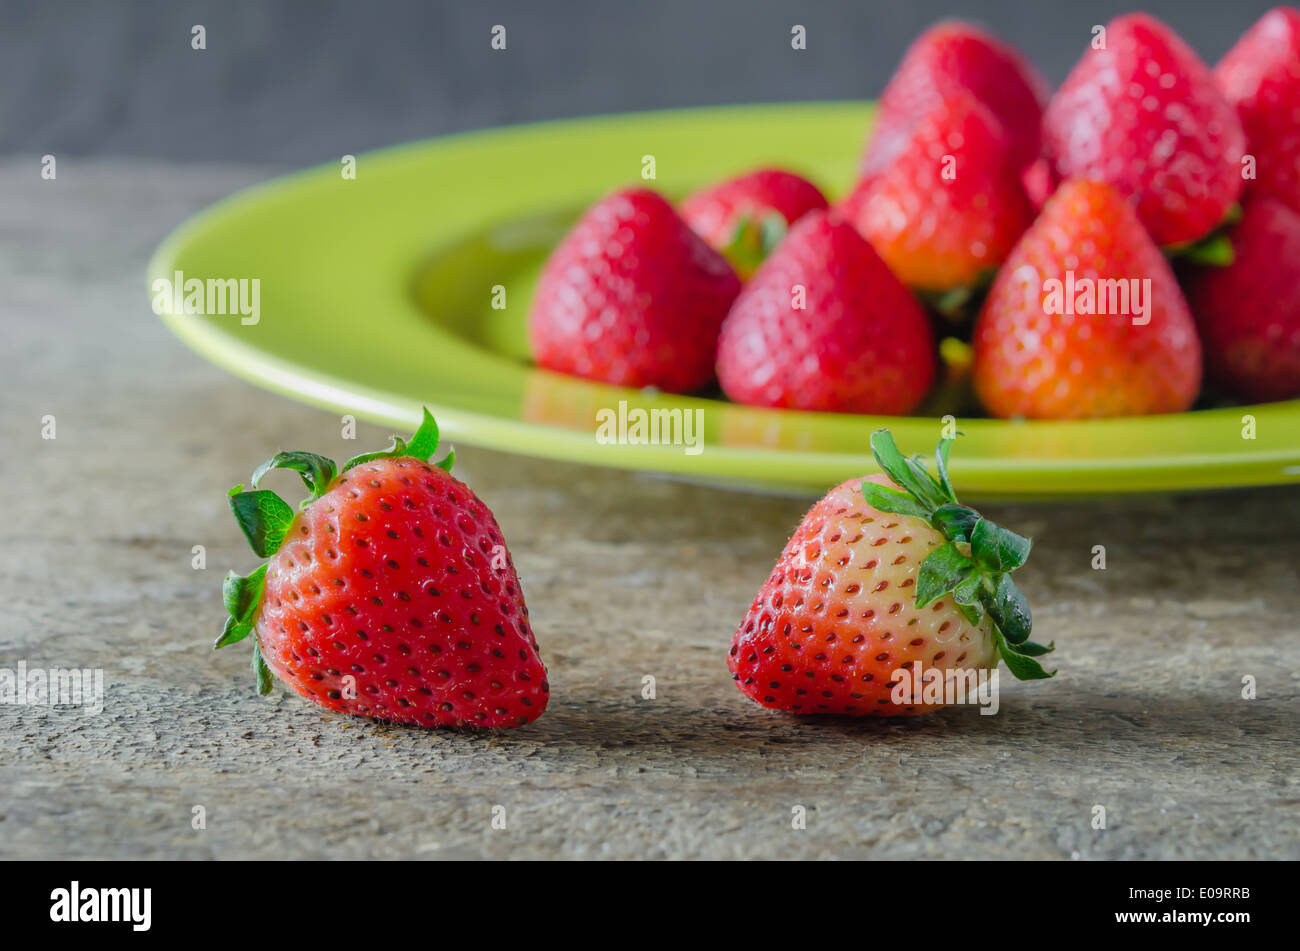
[{"x": 294, "y": 82}]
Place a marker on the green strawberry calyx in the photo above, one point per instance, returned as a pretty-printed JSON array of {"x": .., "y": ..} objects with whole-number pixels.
[
  {"x": 975, "y": 563},
  {"x": 1213, "y": 249},
  {"x": 753, "y": 238},
  {"x": 265, "y": 518}
]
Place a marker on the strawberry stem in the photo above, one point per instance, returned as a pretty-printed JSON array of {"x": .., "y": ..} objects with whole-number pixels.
[{"x": 422, "y": 446}]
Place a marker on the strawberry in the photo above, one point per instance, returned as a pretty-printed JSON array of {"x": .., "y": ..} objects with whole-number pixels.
[
  {"x": 1039, "y": 181},
  {"x": 389, "y": 594},
  {"x": 1143, "y": 113},
  {"x": 950, "y": 58},
  {"x": 882, "y": 576},
  {"x": 744, "y": 218},
  {"x": 1085, "y": 318},
  {"x": 1249, "y": 311},
  {"x": 950, "y": 206},
  {"x": 1260, "y": 77},
  {"x": 823, "y": 325},
  {"x": 632, "y": 296}
]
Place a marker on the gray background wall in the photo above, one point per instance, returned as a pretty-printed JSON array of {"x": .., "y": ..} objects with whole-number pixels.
[{"x": 295, "y": 82}]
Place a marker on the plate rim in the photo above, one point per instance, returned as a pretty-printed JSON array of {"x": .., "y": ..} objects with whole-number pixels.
[{"x": 1193, "y": 470}]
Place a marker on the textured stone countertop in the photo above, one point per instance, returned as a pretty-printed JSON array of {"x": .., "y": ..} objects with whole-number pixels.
[{"x": 625, "y": 575}]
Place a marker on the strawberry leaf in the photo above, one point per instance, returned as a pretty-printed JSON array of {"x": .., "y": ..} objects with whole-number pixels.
[
  {"x": 317, "y": 471},
  {"x": 263, "y": 517},
  {"x": 261, "y": 671},
  {"x": 771, "y": 230},
  {"x": 941, "y": 463},
  {"x": 752, "y": 240},
  {"x": 891, "y": 500},
  {"x": 952, "y": 303},
  {"x": 955, "y": 521},
  {"x": 1011, "y": 611},
  {"x": 904, "y": 471},
  {"x": 1030, "y": 649},
  {"x": 942, "y": 571},
  {"x": 1215, "y": 251},
  {"x": 242, "y": 596},
  {"x": 1021, "y": 666},
  {"x": 998, "y": 549},
  {"x": 425, "y": 441},
  {"x": 395, "y": 451},
  {"x": 422, "y": 446},
  {"x": 966, "y": 595}
]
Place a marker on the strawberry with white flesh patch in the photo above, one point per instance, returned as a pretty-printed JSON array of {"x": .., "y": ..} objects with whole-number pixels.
[{"x": 879, "y": 577}]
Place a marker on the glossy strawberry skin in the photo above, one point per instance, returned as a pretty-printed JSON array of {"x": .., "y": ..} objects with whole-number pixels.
[
  {"x": 1260, "y": 77},
  {"x": 1249, "y": 312},
  {"x": 399, "y": 578},
  {"x": 1145, "y": 115},
  {"x": 837, "y": 616},
  {"x": 1033, "y": 362},
  {"x": 632, "y": 296},
  {"x": 946, "y": 60},
  {"x": 716, "y": 212},
  {"x": 860, "y": 344},
  {"x": 951, "y": 206}
]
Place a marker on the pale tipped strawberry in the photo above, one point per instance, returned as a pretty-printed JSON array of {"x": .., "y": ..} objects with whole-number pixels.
[
  {"x": 949, "y": 208},
  {"x": 1143, "y": 113},
  {"x": 745, "y": 217},
  {"x": 1085, "y": 319},
  {"x": 884, "y": 579},
  {"x": 389, "y": 594}
]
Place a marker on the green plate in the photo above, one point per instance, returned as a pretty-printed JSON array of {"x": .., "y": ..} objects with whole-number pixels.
[{"x": 376, "y": 296}]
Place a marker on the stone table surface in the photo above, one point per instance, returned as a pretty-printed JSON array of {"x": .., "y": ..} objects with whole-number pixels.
[{"x": 625, "y": 575}]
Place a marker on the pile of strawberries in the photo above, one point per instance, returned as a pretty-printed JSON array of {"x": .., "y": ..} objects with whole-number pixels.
[
  {"x": 1100, "y": 252},
  {"x": 390, "y": 593}
]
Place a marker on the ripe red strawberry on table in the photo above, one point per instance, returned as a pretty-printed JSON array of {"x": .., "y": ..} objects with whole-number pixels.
[
  {"x": 949, "y": 207},
  {"x": 632, "y": 296},
  {"x": 1071, "y": 328},
  {"x": 389, "y": 594},
  {"x": 744, "y": 218},
  {"x": 1248, "y": 312},
  {"x": 1260, "y": 77},
  {"x": 823, "y": 325},
  {"x": 949, "y": 59},
  {"x": 1144, "y": 114},
  {"x": 882, "y": 575}
]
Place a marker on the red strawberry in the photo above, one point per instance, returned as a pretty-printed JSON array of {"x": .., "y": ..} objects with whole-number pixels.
[
  {"x": 950, "y": 58},
  {"x": 390, "y": 594},
  {"x": 1085, "y": 318},
  {"x": 1249, "y": 311},
  {"x": 745, "y": 217},
  {"x": 875, "y": 581},
  {"x": 1039, "y": 180},
  {"x": 1143, "y": 113},
  {"x": 950, "y": 206},
  {"x": 823, "y": 325},
  {"x": 1260, "y": 76},
  {"x": 849, "y": 207},
  {"x": 632, "y": 296}
]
